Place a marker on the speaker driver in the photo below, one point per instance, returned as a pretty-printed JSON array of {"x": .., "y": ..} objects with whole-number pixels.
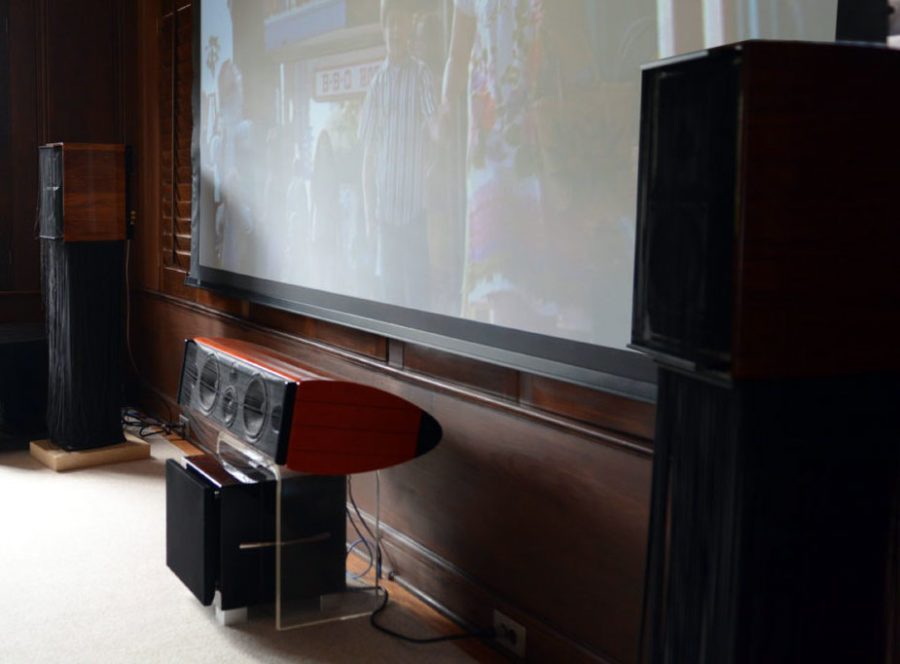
[
  {"x": 208, "y": 383},
  {"x": 255, "y": 404},
  {"x": 229, "y": 406},
  {"x": 277, "y": 414}
]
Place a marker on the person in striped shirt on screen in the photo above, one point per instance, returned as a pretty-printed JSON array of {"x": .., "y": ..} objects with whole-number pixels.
[{"x": 395, "y": 131}]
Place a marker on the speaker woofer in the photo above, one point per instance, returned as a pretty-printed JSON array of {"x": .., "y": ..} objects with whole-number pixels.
[
  {"x": 229, "y": 406},
  {"x": 208, "y": 384},
  {"x": 255, "y": 406}
]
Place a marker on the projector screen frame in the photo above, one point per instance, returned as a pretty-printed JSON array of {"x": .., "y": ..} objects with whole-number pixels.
[{"x": 626, "y": 373}]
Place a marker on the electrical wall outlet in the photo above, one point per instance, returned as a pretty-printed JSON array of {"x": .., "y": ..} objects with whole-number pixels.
[{"x": 509, "y": 634}]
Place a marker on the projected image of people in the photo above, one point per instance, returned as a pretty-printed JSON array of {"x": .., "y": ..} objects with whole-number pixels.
[
  {"x": 435, "y": 164},
  {"x": 395, "y": 131},
  {"x": 469, "y": 158},
  {"x": 545, "y": 237},
  {"x": 231, "y": 145}
]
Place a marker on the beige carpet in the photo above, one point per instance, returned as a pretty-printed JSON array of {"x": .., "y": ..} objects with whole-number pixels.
[{"x": 83, "y": 579}]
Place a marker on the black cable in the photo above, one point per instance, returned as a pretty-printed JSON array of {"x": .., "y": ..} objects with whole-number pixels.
[
  {"x": 355, "y": 527},
  {"x": 376, "y": 544},
  {"x": 478, "y": 634},
  {"x": 356, "y": 509},
  {"x": 350, "y": 549},
  {"x": 148, "y": 425},
  {"x": 361, "y": 539},
  {"x": 485, "y": 633}
]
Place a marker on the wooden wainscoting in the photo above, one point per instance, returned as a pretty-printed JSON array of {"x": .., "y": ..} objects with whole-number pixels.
[{"x": 21, "y": 307}]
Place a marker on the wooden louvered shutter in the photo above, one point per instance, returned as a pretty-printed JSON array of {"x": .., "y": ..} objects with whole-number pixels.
[{"x": 175, "y": 122}]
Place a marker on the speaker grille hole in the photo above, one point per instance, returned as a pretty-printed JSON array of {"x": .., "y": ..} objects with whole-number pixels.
[
  {"x": 254, "y": 407},
  {"x": 208, "y": 384}
]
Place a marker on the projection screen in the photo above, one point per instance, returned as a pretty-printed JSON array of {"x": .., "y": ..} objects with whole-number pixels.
[{"x": 457, "y": 173}]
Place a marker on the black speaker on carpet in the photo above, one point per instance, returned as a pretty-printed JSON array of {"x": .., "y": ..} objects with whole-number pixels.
[
  {"x": 766, "y": 289},
  {"x": 221, "y": 532},
  {"x": 82, "y": 230},
  {"x": 23, "y": 378}
]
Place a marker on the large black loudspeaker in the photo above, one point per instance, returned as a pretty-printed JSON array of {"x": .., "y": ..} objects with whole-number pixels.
[
  {"x": 83, "y": 228},
  {"x": 767, "y": 290}
]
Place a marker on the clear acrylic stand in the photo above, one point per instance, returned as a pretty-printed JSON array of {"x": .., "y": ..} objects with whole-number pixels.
[{"x": 311, "y": 582}]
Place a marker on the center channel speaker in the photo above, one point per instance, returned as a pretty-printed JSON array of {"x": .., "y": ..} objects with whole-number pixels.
[
  {"x": 297, "y": 416},
  {"x": 767, "y": 233}
]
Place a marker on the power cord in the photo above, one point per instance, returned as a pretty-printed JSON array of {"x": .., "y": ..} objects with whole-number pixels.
[
  {"x": 488, "y": 633},
  {"x": 371, "y": 554},
  {"x": 372, "y": 544},
  {"x": 374, "y": 547},
  {"x": 149, "y": 425}
]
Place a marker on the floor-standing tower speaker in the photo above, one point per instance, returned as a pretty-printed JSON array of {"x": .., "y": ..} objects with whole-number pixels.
[
  {"x": 82, "y": 229},
  {"x": 767, "y": 289}
]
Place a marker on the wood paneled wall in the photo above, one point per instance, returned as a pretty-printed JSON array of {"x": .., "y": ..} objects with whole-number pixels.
[
  {"x": 536, "y": 502},
  {"x": 64, "y": 80},
  {"x": 5, "y": 154}
]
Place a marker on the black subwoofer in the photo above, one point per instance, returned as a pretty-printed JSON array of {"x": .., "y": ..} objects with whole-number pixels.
[
  {"x": 221, "y": 533},
  {"x": 23, "y": 378}
]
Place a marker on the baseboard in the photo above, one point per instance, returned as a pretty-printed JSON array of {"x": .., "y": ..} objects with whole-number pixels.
[{"x": 462, "y": 598}]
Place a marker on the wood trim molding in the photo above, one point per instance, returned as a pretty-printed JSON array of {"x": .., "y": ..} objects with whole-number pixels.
[{"x": 559, "y": 421}]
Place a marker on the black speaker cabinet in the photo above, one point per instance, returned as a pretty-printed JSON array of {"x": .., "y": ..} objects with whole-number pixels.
[
  {"x": 23, "y": 378},
  {"x": 767, "y": 223},
  {"x": 773, "y": 534},
  {"x": 220, "y": 533},
  {"x": 82, "y": 227},
  {"x": 767, "y": 289}
]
